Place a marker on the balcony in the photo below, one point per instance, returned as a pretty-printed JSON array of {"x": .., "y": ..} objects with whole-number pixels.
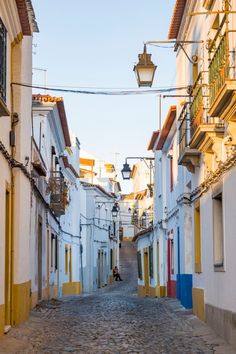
[
  {"x": 39, "y": 167},
  {"x": 187, "y": 157},
  {"x": 222, "y": 80},
  {"x": 58, "y": 193},
  {"x": 204, "y": 129}
]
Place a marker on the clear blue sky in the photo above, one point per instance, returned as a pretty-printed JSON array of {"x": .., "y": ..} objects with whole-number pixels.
[{"x": 95, "y": 43}]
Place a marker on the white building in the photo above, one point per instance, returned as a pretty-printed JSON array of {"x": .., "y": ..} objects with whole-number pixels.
[
  {"x": 17, "y": 24},
  {"x": 100, "y": 236},
  {"x": 206, "y": 137},
  {"x": 55, "y": 229}
]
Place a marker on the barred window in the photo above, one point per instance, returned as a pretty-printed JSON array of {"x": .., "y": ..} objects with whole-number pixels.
[{"x": 3, "y": 49}]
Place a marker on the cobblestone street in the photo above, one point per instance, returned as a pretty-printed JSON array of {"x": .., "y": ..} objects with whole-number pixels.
[{"x": 113, "y": 320}]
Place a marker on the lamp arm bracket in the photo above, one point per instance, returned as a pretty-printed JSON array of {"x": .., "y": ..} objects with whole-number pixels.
[{"x": 182, "y": 47}]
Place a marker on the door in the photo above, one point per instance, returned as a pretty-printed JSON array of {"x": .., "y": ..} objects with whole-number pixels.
[
  {"x": 169, "y": 268},
  {"x": 146, "y": 272},
  {"x": 40, "y": 241},
  {"x": 98, "y": 267},
  {"x": 7, "y": 261}
]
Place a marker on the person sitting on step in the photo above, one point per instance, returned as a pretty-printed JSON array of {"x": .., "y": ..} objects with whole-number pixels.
[{"x": 116, "y": 274}]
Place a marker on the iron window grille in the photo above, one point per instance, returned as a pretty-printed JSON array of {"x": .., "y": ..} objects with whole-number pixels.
[{"x": 3, "y": 54}]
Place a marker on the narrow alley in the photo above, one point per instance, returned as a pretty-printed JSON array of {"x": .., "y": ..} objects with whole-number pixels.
[{"x": 113, "y": 320}]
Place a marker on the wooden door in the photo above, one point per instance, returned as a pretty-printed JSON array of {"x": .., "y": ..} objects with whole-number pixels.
[{"x": 40, "y": 265}]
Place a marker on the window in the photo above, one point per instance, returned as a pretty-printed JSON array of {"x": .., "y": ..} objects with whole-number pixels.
[
  {"x": 56, "y": 258},
  {"x": 66, "y": 260},
  {"x": 3, "y": 51},
  {"x": 139, "y": 260},
  {"x": 218, "y": 231},
  {"x": 151, "y": 261},
  {"x": 197, "y": 239},
  {"x": 172, "y": 250},
  {"x": 52, "y": 252},
  {"x": 70, "y": 265},
  {"x": 111, "y": 258},
  {"x": 171, "y": 173}
]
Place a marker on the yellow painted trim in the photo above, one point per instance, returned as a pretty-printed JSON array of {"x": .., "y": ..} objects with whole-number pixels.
[
  {"x": 53, "y": 292},
  {"x": 17, "y": 39},
  {"x": 153, "y": 292},
  {"x": 198, "y": 303},
  {"x": 71, "y": 288},
  {"x": 47, "y": 294},
  {"x": 2, "y": 319},
  {"x": 21, "y": 302},
  {"x": 141, "y": 291}
]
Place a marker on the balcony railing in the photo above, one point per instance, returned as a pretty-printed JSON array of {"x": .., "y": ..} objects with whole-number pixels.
[
  {"x": 196, "y": 107},
  {"x": 183, "y": 130},
  {"x": 58, "y": 193},
  {"x": 218, "y": 68}
]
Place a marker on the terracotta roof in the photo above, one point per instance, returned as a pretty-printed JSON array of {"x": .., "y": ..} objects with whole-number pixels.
[
  {"x": 62, "y": 115},
  {"x": 127, "y": 196},
  {"x": 153, "y": 140},
  {"x": 141, "y": 194},
  {"x": 166, "y": 127},
  {"x": 61, "y": 110},
  {"x": 69, "y": 166},
  {"x": 84, "y": 171},
  {"x": 142, "y": 233},
  {"x": 176, "y": 19},
  {"x": 27, "y": 17}
]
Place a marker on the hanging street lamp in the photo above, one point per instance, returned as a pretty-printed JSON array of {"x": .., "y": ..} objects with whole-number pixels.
[
  {"x": 145, "y": 69},
  {"x": 115, "y": 210},
  {"x": 126, "y": 171}
]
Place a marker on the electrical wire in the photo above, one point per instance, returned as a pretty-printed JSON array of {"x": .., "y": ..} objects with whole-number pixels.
[{"x": 113, "y": 92}]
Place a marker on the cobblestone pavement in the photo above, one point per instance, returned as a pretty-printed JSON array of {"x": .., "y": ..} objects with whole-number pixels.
[{"x": 113, "y": 320}]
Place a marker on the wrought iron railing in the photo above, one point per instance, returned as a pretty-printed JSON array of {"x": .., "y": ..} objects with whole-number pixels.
[
  {"x": 196, "y": 107},
  {"x": 58, "y": 193},
  {"x": 218, "y": 68},
  {"x": 183, "y": 129}
]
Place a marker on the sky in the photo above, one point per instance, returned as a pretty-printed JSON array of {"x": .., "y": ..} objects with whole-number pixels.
[{"x": 95, "y": 44}]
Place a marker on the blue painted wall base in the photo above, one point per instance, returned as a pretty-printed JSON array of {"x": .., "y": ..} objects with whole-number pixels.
[{"x": 184, "y": 289}]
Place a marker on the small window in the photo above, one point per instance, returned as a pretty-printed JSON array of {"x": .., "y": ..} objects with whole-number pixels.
[
  {"x": 70, "y": 265},
  {"x": 139, "y": 260},
  {"x": 56, "y": 253},
  {"x": 66, "y": 260},
  {"x": 3, "y": 54},
  {"x": 172, "y": 250},
  {"x": 151, "y": 261},
  {"x": 218, "y": 231},
  {"x": 52, "y": 252}
]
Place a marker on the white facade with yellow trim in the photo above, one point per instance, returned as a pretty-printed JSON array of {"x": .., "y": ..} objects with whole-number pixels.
[
  {"x": 16, "y": 27},
  {"x": 207, "y": 148}
]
